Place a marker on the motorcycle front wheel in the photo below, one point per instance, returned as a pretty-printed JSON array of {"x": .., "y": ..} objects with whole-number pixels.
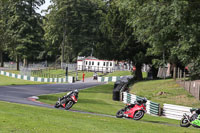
[
  {"x": 120, "y": 113},
  {"x": 57, "y": 105},
  {"x": 69, "y": 105},
  {"x": 138, "y": 115},
  {"x": 184, "y": 122}
]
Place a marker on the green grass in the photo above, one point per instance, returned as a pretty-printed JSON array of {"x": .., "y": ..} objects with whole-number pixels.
[
  {"x": 172, "y": 92},
  {"x": 13, "y": 71},
  {"x": 99, "y": 100},
  {"x": 144, "y": 74},
  {"x": 4, "y": 80},
  {"x": 24, "y": 118},
  {"x": 118, "y": 73}
]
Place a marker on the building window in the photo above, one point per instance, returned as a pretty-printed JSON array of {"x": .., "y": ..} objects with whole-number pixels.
[
  {"x": 86, "y": 63},
  {"x": 107, "y": 63},
  {"x": 93, "y": 63},
  {"x": 89, "y": 63},
  {"x": 104, "y": 63},
  {"x": 110, "y": 63},
  {"x": 98, "y": 63}
]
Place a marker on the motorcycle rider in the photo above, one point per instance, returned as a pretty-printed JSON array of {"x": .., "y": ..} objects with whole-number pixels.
[
  {"x": 140, "y": 101},
  {"x": 74, "y": 92}
]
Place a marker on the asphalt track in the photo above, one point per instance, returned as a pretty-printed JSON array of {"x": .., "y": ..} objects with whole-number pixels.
[{"x": 23, "y": 94}]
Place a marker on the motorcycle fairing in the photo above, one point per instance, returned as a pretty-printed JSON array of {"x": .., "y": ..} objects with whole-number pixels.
[
  {"x": 63, "y": 105},
  {"x": 74, "y": 99},
  {"x": 196, "y": 123},
  {"x": 132, "y": 111}
]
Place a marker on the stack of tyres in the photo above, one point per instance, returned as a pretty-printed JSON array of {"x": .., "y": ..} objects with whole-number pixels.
[
  {"x": 116, "y": 92},
  {"x": 116, "y": 84}
]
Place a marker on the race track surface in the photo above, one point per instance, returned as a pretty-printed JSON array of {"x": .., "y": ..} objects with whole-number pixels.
[{"x": 22, "y": 93}]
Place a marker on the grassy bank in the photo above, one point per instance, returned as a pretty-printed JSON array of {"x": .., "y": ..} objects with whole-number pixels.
[
  {"x": 99, "y": 100},
  {"x": 165, "y": 91},
  {"x": 118, "y": 73},
  {"x": 23, "y": 118}
]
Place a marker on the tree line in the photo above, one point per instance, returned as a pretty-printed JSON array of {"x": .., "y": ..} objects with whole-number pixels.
[{"x": 141, "y": 32}]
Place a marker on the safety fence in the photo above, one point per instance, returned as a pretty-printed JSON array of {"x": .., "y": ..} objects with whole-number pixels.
[
  {"x": 68, "y": 79},
  {"x": 193, "y": 87},
  {"x": 109, "y": 79},
  {"x": 169, "y": 110},
  {"x": 152, "y": 107},
  {"x": 175, "y": 111}
]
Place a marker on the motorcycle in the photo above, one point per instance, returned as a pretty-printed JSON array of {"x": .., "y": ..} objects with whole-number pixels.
[
  {"x": 135, "y": 111},
  {"x": 68, "y": 100},
  {"x": 193, "y": 119}
]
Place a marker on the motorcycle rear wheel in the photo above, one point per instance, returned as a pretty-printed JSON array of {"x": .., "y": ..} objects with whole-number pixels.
[
  {"x": 69, "y": 105},
  {"x": 138, "y": 115},
  {"x": 120, "y": 113},
  {"x": 184, "y": 122}
]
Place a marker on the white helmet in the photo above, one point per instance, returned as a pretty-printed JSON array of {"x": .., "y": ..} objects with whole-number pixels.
[{"x": 75, "y": 91}]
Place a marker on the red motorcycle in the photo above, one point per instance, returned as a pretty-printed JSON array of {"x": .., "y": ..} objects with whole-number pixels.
[
  {"x": 135, "y": 111},
  {"x": 68, "y": 100}
]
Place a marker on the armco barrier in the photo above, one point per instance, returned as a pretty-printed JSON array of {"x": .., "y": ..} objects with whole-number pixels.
[
  {"x": 152, "y": 107},
  {"x": 38, "y": 79},
  {"x": 115, "y": 78},
  {"x": 109, "y": 79},
  {"x": 175, "y": 111}
]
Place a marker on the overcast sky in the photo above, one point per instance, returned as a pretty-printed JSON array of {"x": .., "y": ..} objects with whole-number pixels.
[{"x": 43, "y": 7}]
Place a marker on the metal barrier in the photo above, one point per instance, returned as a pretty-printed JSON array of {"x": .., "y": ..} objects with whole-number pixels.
[
  {"x": 108, "y": 79},
  {"x": 114, "y": 78},
  {"x": 69, "y": 79},
  {"x": 175, "y": 111}
]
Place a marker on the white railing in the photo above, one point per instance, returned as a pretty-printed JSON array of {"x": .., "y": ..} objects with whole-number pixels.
[{"x": 175, "y": 111}]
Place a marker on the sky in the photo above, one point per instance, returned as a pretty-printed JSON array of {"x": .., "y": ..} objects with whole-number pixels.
[{"x": 44, "y": 6}]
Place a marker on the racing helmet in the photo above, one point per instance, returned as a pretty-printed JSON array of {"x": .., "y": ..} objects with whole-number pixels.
[
  {"x": 75, "y": 91},
  {"x": 144, "y": 100}
]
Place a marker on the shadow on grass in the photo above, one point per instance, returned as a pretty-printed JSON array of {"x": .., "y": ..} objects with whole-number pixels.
[{"x": 160, "y": 122}]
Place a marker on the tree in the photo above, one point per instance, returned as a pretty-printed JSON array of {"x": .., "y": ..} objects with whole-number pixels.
[
  {"x": 170, "y": 27},
  {"x": 4, "y": 38},
  {"x": 121, "y": 42},
  {"x": 24, "y": 26},
  {"x": 72, "y": 26}
]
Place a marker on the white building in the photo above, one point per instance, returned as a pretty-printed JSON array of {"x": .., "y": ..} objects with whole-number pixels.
[{"x": 94, "y": 64}]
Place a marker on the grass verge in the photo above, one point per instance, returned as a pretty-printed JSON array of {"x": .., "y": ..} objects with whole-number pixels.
[
  {"x": 118, "y": 73},
  {"x": 165, "y": 91},
  {"x": 4, "y": 80},
  {"x": 99, "y": 100},
  {"x": 24, "y": 118}
]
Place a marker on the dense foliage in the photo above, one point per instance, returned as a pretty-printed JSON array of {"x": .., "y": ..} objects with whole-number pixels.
[{"x": 153, "y": 32}]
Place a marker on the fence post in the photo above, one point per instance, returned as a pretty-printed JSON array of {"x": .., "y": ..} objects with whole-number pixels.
[
  {"x": 199, "y": 91},
  {"x": 174, "y": 75},
  {"x": 189, "y": 86},
  {"x": 178, "y": 73},
  {"x": 66, "y": 71},
  {"x": 184, "y": 77},
  {"x": 181, "y": 75}
]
